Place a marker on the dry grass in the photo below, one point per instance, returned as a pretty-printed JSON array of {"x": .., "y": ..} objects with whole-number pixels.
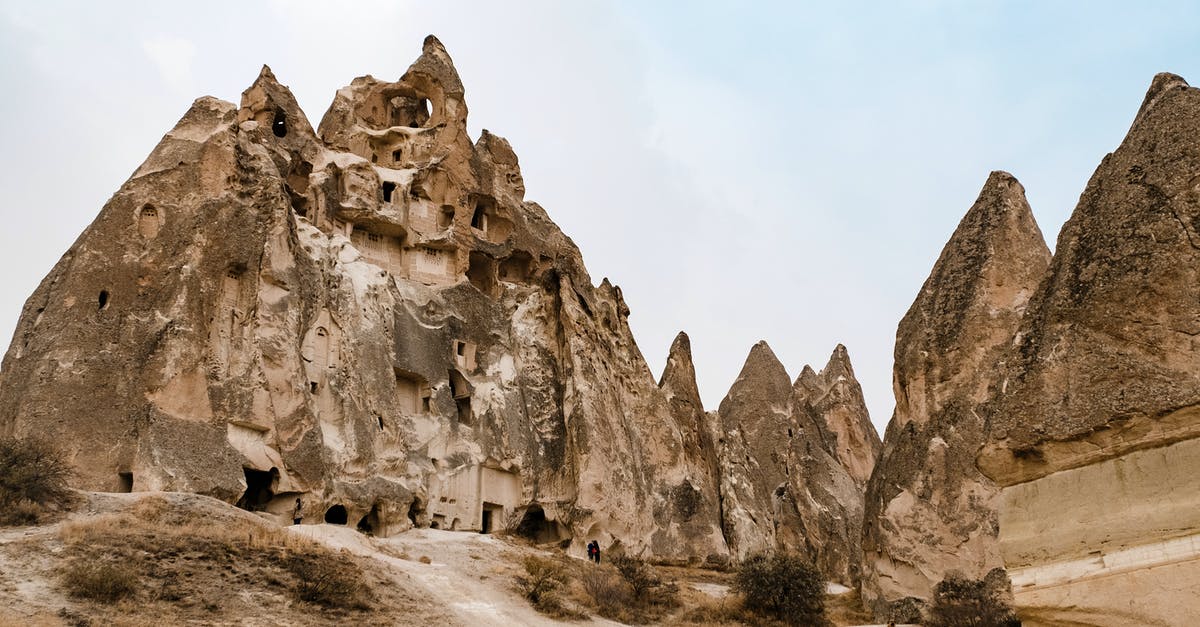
[
  {"x": 169, "y": 557},
  {"x": 847, "y": 609},
  {"x": 105, "y": 582}
]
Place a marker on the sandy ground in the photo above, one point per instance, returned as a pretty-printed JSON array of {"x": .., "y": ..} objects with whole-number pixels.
[
  {"x": 448, "y": 577},
  {"x": 471, "y": 574}
]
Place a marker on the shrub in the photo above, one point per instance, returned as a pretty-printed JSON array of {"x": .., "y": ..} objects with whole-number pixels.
[
  {"x": 99, "y": 581},
  {"x": 783, "y": 587},
  {"x": 646, "y": 585},
  {"x": 962, "y": 602},
  {"x": 541, "y": 579},
  {"x": 907, "y": 610},
  {"x": 33, "y": 478},
  {"x": 606, "y": 590},
  {"x": 327, "y": 582}
]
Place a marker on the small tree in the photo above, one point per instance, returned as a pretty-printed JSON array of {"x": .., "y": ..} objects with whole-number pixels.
[
  {"x": 962, "y": 602},
  {"x": 33, "y": 477},
  {"x": 783, "y": 587}
]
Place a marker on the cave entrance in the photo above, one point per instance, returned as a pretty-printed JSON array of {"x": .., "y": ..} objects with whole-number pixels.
[
  {"x": 259, "y": 489},
  {"x": 369, "y": 524},
  {"x": 124, "y": 482},
  {"x": 535, "y": 526},
  {"x": 491, "y": 517},
  {"x": 415, "y": 510},
  {"x": 336, "y": 515}
]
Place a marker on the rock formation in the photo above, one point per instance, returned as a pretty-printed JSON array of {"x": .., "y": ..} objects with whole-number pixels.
[
  {"x": 782, "y": 486},
  {"x": 1093, "y": 429},
  {"x": 694, "y": 502},
  {"x": 368, "y": 316},
  {"x": 837, "y": 396},
  {"x": 929, "y": 511}
]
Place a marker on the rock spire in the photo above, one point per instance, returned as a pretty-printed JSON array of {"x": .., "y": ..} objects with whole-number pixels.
[{"x": 929, "y": 512}]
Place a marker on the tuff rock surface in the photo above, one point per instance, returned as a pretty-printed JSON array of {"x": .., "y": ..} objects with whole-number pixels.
[
  {"x": 929, "y": 512},
  {"x": 1092, "y": 428},
  {"x": 782, "y": 485},
  {"x": 370, "y": 317}
]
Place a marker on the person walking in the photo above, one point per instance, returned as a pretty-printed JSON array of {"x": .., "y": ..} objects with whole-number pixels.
[{"x": 298, "y": 513}]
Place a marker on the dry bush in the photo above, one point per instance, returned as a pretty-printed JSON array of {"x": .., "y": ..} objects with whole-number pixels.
[
  {"x": 329, "y": 583},
  {"x": 541, "y": 581},
  {"x": 606, "y": 589},
  {"x": 629, "y": 591},
  {"x": 105, "y": 582},
  {"x": 643, "y": 580},
  {"x": 782, "y": 587},
  {"x": 33, "y": 480},
  {"x": 710, "y": 611}
]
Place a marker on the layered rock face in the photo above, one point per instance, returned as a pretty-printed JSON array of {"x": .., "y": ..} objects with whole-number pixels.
[
  {"x": 370, "y": 317},
  {"x": 929, "y": 511},
  {"x": 837, "y": 397},
  {"x": 782, "y": 484},
  {"x": 1092, "y": 433}
]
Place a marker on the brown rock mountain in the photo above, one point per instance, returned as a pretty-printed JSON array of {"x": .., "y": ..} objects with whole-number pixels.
[
  {"x": 1092, "y": 431},
  {"x": 929, "y": 511},
  {"x": 371, "y": 317},
  {"x": 782, "y": 487}
]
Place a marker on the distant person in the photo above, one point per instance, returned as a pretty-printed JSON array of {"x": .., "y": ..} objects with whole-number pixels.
[
  {"x": 298, "y": 513},
  {"x": 596, "y": 551}
]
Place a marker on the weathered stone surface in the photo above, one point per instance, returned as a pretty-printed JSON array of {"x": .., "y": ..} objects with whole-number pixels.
[
  {"x": 929, "y": 511},
  {"x": 837, "y": 396},
  {"x": 695, "y": 500},
  {"x": 1092, "y": 432},
  {"x": 371, "y": 318},
  {"x": 781, "y": 486}
]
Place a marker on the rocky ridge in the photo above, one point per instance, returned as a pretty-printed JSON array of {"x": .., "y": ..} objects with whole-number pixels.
[
  {"x": 929, "y": 511},
  {"x": 371, "y": 317},
  {"x": 1092, "y": 426}
]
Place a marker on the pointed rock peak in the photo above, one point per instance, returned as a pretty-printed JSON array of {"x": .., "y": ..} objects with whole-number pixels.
[
  {"x": 838, "y": 366},
  {"x": 435, "y": 65},
  {"x": 1162, "y": 84},
  {"x": 265, "y": 74},
  {"x": 273, "y": 107},
  {"x": 762, "y": 364},
  {"x": 432, "y": 45},
  {"x": 998, "y": 229},
  {"x": 808, "y": 384},
  {"x": 682, "y": 345},
  {"x": 679, "y": 375}
]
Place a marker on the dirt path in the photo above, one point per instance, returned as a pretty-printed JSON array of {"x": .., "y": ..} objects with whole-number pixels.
[{"x": 469, "y": 573}]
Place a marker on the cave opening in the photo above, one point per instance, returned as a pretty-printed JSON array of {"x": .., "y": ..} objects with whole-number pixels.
[
  {"x": 536, "y": 527},
  {"x": 259, "y": 489},
  {"x": 336, "y": 515},
  {"x": 279, "y": 125}
]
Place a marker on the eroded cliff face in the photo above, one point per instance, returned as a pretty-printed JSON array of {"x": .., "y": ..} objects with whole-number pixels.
[
  {"x": 929, "y": 511},
  {"x": 370, "y": 317},
  {"x": 1092, "y": 430},
  {"x": 782, "y": 485}
]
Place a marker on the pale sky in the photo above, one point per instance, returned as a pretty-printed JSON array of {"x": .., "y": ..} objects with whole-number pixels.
[{"x": 779, "y": 171}]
